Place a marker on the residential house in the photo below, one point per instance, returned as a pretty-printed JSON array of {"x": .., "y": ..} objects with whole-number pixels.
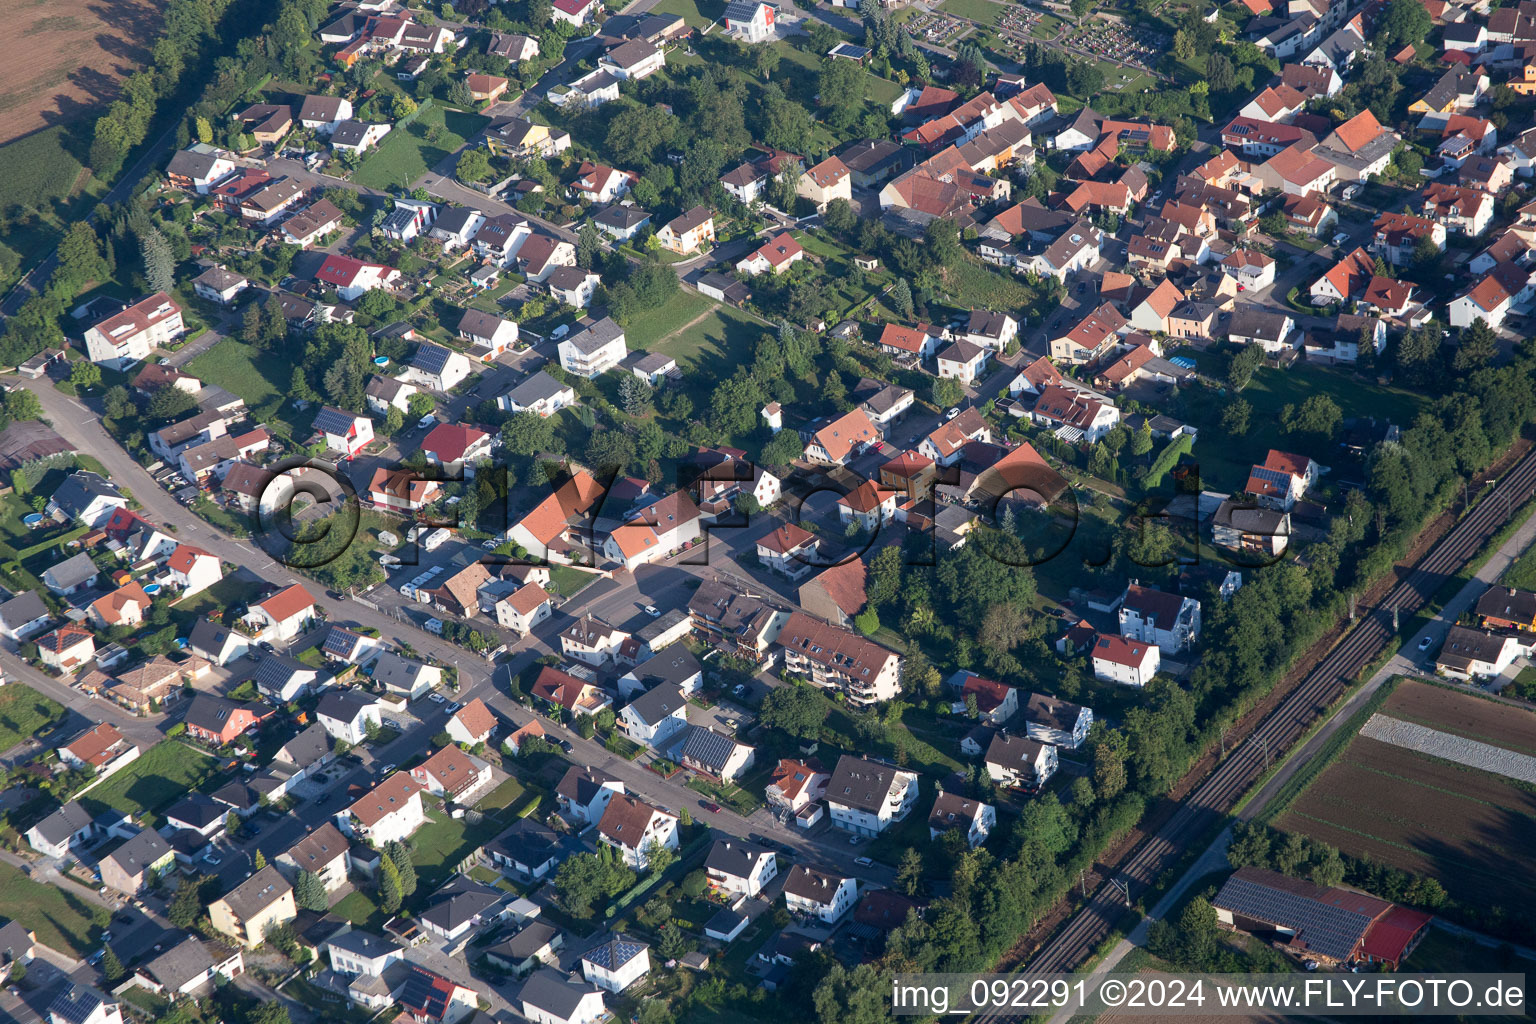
[
  {"x": 406, "y": 677},
  {"x": 1156, "y": 617},
  {"x": 995, "y": 702},
  {"x": 593, "y": 350},
  {"x": 688, "y": 231},
  {"x": 739, "y": 868},
  {"x": 349, "y": 715},
  {"x": 549, "y": 997},
  {"x": 655, "y": 716},
  {"x": 750, "y": 21},
  {"x": 129, "y": 336},
  {"x": 25, "y": 614},
  {"x": 1120, "y": 660},
  {"x": 825, "y": 182},
  {"x": 560, "y": 689},
  {"x": 1281, "y": 479},
  {"x": 219, "y": 285},
  {"x": 633, "y": 60},
  {"x": 812, "y": 893},
  {"x": 837, "y": 659},
  {"x": 62, "y": 832},
  {"x": 199, "y": 171},
  {"x": 713, "y": 754},
  {"x": 866, "y": 797},
  {"x": 616, "y": 963},
  {"x": 74, "y": 574},
  {"x": 283, "y": 616},
  {"x": 362, "y": 954},
  {"x": 524, "y": 608},
  {"x": 100, "y": 750},
  {"x": 456, "y": 448},
  {"x": 66, "y": 648},
  {"x": 453, "y": 775},
  {"x": 471, "y": 724},
  {"x": 219, "y": 722},
  {"x": 400, "y": 490},
  {"x": 130, "y": 868},
  {"x": 436, "y": 368},
  {"x": 1013, "y": 760},
  {"x": 583, "y": 794},
  {"x": 837, "y": 441},
  {"x": 323, "y": 853},
  {"x": 631, "y": 826},
  {"x": 254, "y": 907},
  {"x": 323, "y": 113},
  {"x": 391, "y": 810},
  {"x": 971, "y": 818},
  {"x": 797, "y": 789},
  {"x": 189, "y": 967},
  {"x": 353, "y": 278},
  {"x": 963, "y": 361},
  {"x": 774, "y": 256}
]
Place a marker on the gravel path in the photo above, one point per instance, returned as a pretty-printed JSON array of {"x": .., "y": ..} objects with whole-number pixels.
[{"x": 1445, "y": 746}]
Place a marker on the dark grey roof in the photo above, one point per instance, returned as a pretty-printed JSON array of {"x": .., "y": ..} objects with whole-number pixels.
[
  {"x": 331, "y": 420},
  {"x": 277, "y": 670},
  {"x": 180, "y": 964},
  {"x": 341, "y": 641},
  {"x": 580, "y": 784},
  {"x": 75, "y": 1003},
  {"x": 735, "y": 857},
  {"x": 198, "y": 810},
  {"x": 536, "y": 388},
  {"x": 238, "y": 796},
  {"x": 675, "y": 665},
  {"x": 208, "y": 635},
  {"x": 349, "y": 133},
  {"x": 596, "y": 336},
  {"x": 861, "y": 783},
  {"x": 1252, "y": 322},
  {"x": 460, "y": 902},
  {"x": 1052, "y": 712},
  {"x": 257, "y": 893},
  {"x": 706, "y": 747},
  {"x": 209, "y": 712},
  {"x": 622, "y": 217},
  {"x": 553, "y": 993},
  {"x": 527, "y": 841},
  {"x": 22, "y": 609},
  {"x": 81, "y": 488},
  {"x": 614, "y": 952},
  {"x": 392, "y": 669},
  {"x": 656, "y": 704},
  {"x": 344, "y": 705},
  {"x": 454, "y": 219},
  {"x": 139, "y": 853},
  {"x": 193, "y": 165},
  {"x": 307, "y": 747},
  {"x": 430, "y": 358},
  {"x": 63, "y": 823},
  {"x": 527, "y": 942}
]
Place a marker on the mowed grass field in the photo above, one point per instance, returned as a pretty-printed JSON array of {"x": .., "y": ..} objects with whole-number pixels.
[
  {"x": 162, "y": 775},
  {"x": 261, "y": 378},
  {"x": 1473, "y": 831},
  {"x": 60, "y": 919},
  {"x": 406, "y": 153},
  {"x": 23, "y": 713}
]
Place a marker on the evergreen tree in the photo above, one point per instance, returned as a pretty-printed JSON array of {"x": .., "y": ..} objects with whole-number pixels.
[
  {"x": 159, "y": 264},
  {"x": 900, "y": 298},
  {"x": 588, "y": 244},
  {"x": 261, "y": 860},
  {"x": 309, "y": 892},
  {"x": 1141, "y": 441},
  {"x": 111, "y": 966},
  {"x": 401, "y": 856},
  {"x": 390, "y": 895}
]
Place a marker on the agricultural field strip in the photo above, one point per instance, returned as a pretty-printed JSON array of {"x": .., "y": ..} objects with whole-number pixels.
[
  {"x": 1448, "y": 747},
  {"x": 1463, "y": 714}
]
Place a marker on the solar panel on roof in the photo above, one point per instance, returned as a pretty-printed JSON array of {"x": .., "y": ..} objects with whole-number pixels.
[{"x": 1329, "y": 930}]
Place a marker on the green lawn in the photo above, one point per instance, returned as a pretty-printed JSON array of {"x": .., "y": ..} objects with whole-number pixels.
[
  {"x": 648, "y": 328},
  {"x": 1522, "y": 573},
  {"x": 567, "y": 581},
  {"x": 261, "y": 378},
  {"x": 697, "y": 15},
  {"x": 359, "y": 908},
  {"x": 711, "y": 350},
  {"x": 443, "y": 842},
  {"x": 984, "y": 11},
  {"x": 406, "y": 154},
  {"x": 161, "y": 776},
  {"x": 60, "y": 919},
  {"x": 24, "y": 713}
]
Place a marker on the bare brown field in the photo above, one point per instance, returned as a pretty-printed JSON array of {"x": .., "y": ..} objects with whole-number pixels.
[
  {"x": 63, "y": 59},
  {"x": 1464, "y": 715},
  {"x": 1473, "y": 831}
]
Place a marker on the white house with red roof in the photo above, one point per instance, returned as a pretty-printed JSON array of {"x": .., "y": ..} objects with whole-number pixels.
[
  {"x": 1171, "y": 621},
  {"x": 282, "y": 616},
  {"x": 400, "y": 491},
  {"x": 1281, "y": 479},
  {"x": 456, "y": 447},
  {"x": 919, "y": 341},
  {"x": 774, "y": 256},
  {"x": 193, "y": 569},
  {"x": 524, "y": 608},
  {"x": 868, "y": 505},
  {"x": 352, "y": 278},
  {"x": 655, "y": 532},
  {"x": 1251, "y": 269},
  {"x": 789, "y": 551},
  {"x": 574, "y": 12},
  {"x": 1491, "y": 298},
  {"x": 1117, "y": 659},
  {"x": 995, "y": 702},
  {"x": 66, "y": 648},
  {"x": 631, "y": 826},
  {"x": 844, "y": 437},
  {"x": 125, "y": 338},
  {"x": 599, "y": 183}
]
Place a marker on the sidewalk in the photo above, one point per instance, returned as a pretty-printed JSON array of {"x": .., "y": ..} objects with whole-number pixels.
[{"x": 1405, "y": 662}]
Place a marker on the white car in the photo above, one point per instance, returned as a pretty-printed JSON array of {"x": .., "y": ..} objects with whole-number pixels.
[
  {"x": 560, "y": 332},
  {"x": 1425, "y": 643},
  {"x": 435, "y": 697},
  {"x": 426, "y": 421},
  {"x": 951, "y": 414},
  {"x": 652, "y": 611},
  {"x": 1340, "y": 238}
]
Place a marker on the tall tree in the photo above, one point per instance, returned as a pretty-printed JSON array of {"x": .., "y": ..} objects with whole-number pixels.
[
  {"x": 159, "y": 264},
  {"x": 401, "y": 856},
  {"x": 390, "y": 895},
  {"x": 309, "y": 892}
]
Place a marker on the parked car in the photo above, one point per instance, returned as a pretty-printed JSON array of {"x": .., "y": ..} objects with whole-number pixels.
[
  {"x": 863, "y": 862},
  {"x": 712, "y": 808},
  {"x": 1425, "y": 642},
  {"x": 652, "y": 611}
]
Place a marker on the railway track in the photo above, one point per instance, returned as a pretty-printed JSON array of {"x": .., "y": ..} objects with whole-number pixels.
[{"x": 1268, "y": 742}]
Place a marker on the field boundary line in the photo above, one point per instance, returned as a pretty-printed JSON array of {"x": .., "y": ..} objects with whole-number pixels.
[{"x": 1421, "y": 739}]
